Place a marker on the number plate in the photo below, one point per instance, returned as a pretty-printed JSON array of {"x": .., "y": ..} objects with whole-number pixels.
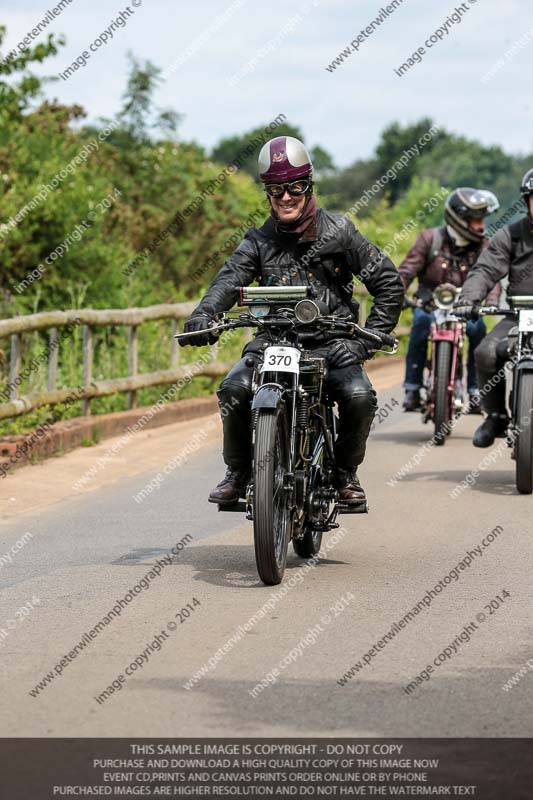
[
  {"x": 525, "y": 321},
  {"x": 281, "y": 359}
]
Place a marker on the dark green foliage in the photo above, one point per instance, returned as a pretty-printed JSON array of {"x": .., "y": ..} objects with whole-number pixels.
[{"x": 447, "y": 158}]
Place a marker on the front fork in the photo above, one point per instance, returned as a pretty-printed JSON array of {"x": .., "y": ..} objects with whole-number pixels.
[
  {"x": 288, "y": 396},
  {"x": 455, "y": 337}
]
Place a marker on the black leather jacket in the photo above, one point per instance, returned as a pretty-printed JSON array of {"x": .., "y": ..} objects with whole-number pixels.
[
  {"x": 327, "y": 260},
  {"x": 510, "y": 252}
]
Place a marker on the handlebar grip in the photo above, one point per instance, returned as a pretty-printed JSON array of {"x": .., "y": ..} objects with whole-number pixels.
[
  {"x": 377, "y": 337},
  {"x": 387, "y": 339},
  {"x": 485, "y": 311}
]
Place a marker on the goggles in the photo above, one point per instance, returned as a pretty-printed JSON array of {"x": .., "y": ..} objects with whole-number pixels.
[{"x": 294, "y": 188}]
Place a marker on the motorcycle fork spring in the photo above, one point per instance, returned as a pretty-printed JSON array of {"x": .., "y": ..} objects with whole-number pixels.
[
  {"x": 302, "y": 412},
  {"x": 302, "y": 423}
]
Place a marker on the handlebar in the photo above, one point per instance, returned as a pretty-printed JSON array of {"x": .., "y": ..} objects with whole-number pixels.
[
  {"x": 329, "y": 323},
  {"x": 426, "y": 305},
  {"x": 494, "y": 311}
]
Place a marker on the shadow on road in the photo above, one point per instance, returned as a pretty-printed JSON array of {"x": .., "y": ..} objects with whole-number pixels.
[
  {"x": 235, "y": 566},
  {"x": 415, "y": 437},
  {"x": 366, "y": 707},
  {"x": 500, "y": 482},
  {"x": 231, "y": 566}
]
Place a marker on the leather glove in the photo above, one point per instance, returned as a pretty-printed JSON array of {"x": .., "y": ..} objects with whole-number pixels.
[
  {"x": 465, "y": 308},
  {"x": 348, "y": 352},
  {"x": 197, "y": 323},
  {"x": 424, "y": 297}
]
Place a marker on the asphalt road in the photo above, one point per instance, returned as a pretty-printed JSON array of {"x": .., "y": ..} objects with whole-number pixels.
[{"x": 87, "y": 551}]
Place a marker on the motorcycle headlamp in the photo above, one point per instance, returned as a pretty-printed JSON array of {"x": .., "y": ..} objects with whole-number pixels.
[
  {"x": 444, "y": 296},
  {"x": 306, "y": 311}
]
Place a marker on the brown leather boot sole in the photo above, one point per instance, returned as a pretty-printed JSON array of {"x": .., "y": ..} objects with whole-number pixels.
[
  {"x": 352, "y": 496},
  {"x": 228, "y": 492}
]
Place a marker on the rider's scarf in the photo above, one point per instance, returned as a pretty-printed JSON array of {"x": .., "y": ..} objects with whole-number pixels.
[{"x": 300, "y": 225}]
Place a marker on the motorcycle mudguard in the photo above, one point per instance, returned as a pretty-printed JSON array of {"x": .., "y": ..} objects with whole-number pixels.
[
  {"x": 443, "y": 336},
  {"x": 525, "y": 365},
  {"x": 268, "y": 396}
]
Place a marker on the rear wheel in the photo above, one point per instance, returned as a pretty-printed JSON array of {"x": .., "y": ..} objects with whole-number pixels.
[
  {"x": 271, "y": 500},
  {"x": 524, "y": 438},
  {"x": 441, "y": 382}
]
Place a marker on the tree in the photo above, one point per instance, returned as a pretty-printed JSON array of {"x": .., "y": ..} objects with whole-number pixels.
[
  {"x": 139, "y": 114},
  {"x": 344, "y": 187},
  {"x": 17, "y": 97},
  {"x": 395, "y": 140}
]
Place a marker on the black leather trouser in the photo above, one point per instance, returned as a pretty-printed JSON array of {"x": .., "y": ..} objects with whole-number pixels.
[
  {"x": 490, "y": 358},
  {"x": 349, "y": 387}
]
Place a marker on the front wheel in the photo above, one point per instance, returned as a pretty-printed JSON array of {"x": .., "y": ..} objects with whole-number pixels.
[
  {"x": 441, "y": 382},
  {"x": 524, "y": 436},
  {"x": 271, "y": 498}
]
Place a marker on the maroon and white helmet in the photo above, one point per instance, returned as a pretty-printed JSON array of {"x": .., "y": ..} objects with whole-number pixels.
[{"x": 284, "y": 159}]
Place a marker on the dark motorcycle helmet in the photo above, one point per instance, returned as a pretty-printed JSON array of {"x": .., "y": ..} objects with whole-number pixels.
[
  {"x": 465, "y": 204},
  {"x": 526, "y": 187}
]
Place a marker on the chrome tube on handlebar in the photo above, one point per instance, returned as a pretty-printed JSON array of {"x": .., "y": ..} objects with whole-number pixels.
[
  {"x": 493, "y": 311},
  {"x": 366, "y": 334},
  {"x": 213, "y": 329}
]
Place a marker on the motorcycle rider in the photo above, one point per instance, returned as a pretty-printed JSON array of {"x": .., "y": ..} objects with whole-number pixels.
[
  {"x": 510, "y": 252},
  {"x": 300, "y": 244},
  {"x": 445, "y": 255}
]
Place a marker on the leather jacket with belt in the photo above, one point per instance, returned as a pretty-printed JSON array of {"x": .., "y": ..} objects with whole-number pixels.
[{"x": 326, "y": 258}]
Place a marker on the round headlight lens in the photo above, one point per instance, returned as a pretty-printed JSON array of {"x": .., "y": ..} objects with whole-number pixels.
[
  {"x": 306, "y": 311},
  {"x": 444, "y": 296}
]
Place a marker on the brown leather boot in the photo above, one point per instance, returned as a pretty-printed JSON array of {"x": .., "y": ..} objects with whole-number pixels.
[
  {"x": 350, "y": 490},
  {"x": 231, "y": 487}
]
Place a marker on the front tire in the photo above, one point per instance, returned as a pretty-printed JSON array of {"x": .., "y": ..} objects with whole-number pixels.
[
  {"x": 524, "y": 438},
  {"x": 271, "y": 502},
  {"x": 441, "y": 382}
]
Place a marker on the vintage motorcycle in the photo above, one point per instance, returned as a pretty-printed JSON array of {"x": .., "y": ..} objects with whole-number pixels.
[
  {"x": 444, "y": 391},
  {"x": 519, "y": 351},
  {"x": 291, "y": 494}
]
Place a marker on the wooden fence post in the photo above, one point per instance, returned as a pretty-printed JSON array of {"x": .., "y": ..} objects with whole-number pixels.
[
  {"x": 14, "y": 366},
  {"x": 133, "y": 362},
  {"x": 213, "y": 352},
  {"x": 362, "y": 309},
  {"x": 174, "y": 346},
  {"x": 53, "y": 360},
  {"x": 87, "y": 365}
]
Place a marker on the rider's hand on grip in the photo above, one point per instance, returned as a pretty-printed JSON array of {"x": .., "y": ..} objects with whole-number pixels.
[
  {"x": 346, "y": 353},
  {"x": 465, "y": 308},
  {"x": 388, "y": 340},
  {"x": 198, "y": 322}
]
